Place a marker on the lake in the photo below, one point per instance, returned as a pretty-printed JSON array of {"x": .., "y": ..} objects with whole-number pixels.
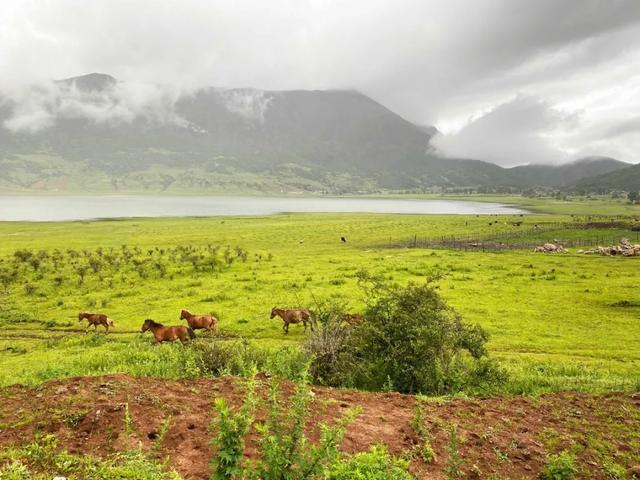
[{"x": 60, "y": 208}]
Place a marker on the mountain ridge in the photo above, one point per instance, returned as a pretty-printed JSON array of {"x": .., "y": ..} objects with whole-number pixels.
[{"x": 96, "y": 134}]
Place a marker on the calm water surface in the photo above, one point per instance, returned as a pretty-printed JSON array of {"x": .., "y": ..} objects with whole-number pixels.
[{"x": 59, "y": 208}]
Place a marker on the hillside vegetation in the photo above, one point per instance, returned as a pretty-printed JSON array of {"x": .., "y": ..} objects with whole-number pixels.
[{"x": 237, "y": 141}]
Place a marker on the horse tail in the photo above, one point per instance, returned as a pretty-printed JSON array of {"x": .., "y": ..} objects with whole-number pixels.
[{"x": 192, "y": 334}]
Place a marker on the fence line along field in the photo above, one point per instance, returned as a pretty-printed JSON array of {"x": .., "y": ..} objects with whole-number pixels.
[{"x": 556, "y": 322}]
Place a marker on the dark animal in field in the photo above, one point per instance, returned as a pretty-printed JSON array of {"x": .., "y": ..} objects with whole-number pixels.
[
  {"x": 353, "y": 318},
  {"x": 196, "y": 322},
  {"x": 293, "y": 315},
  {"x": 344, "y": 240},
  {"x": 168, "y": 334},
  {"x": 96, "y": 319}
]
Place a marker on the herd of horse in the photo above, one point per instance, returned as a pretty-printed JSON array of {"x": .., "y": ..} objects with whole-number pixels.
[{"x": 184, "y": 333}]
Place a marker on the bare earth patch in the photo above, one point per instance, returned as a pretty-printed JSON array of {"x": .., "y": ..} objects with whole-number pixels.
[{"x": 505, "y": 437}]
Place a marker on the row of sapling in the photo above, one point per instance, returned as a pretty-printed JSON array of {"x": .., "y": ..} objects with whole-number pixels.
[{"x": 25, "y": 265}]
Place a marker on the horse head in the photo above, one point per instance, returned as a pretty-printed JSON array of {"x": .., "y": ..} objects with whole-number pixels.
[
  {"x": 81, "y": 316},
  {"x": 274, "y": 312},
  {"x": 148, "y": 323}
]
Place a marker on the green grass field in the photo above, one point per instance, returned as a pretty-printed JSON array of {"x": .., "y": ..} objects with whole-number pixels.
[{"x": 557, "y": 322}]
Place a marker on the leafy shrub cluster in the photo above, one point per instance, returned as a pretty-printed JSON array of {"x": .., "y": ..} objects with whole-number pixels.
[
  {"x": 376, "y": 464},
  {"x": 411, "y": 341},
  {"x": 41, "y": 459},
  {"x": 560, "y": 466},
  {"x": 286, "y": 451},
  {"x": 239, "y": 356}
]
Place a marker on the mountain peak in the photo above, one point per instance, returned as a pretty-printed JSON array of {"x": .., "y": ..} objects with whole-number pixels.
[{"x": 92, "y": 82}]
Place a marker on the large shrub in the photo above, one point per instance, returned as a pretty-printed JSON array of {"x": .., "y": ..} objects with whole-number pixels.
[
  {"x": 411, "y": 341},
  {"x": 415, "y": 342}
]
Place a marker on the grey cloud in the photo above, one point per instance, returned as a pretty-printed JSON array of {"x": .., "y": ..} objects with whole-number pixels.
[
  {"x": 433, "y": 62},
  {"x": 34, "y": 108},
  {"x": 512, "y": 134}
]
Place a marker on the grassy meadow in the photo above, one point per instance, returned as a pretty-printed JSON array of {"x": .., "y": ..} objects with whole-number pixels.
[{"x": 557, "y": 322}]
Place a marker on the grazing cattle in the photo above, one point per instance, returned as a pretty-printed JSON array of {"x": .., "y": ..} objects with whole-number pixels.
[
  {"x": 168, "y": 334},
  {"x": 292, "y": 315},
  {"x": 96, "y": 319},
  {"x": 205, "y": 322}
]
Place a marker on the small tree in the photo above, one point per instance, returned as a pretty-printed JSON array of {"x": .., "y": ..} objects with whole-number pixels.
[
  {"x": 414, "y": 342},
  {"x": 633, "y": 197}
]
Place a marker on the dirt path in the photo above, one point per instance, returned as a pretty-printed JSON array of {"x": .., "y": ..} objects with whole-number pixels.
[{"x": 504, "y": 437}]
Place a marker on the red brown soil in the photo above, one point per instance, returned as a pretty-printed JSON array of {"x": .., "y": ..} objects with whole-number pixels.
[{"x": 508, "y": 437}]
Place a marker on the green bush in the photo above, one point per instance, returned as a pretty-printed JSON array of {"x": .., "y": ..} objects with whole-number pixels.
[
  {"x": 416, "y": 343},
  {"x": 42, "y": 460},
  {"x": 232, "y": 429},
  {"x": 560, "y": 466},
  {"x": 286, "y": 451},
  {"x": 376, "y": 464},
  {"x": 237, "y": 357},
  {"x": 411, "y": 342}
]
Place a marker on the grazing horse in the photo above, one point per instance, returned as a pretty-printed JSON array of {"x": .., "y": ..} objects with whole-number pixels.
[
  {"x": 206, "y": 322},
  {"x": 293, "y": 315},
  {"x": 168, "y": 334},
  {"x": 96, "y": 319},
  {"x": 353, "y": 318}
]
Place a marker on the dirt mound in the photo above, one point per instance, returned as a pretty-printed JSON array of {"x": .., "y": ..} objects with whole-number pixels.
[{"x": 507, "y": 437}]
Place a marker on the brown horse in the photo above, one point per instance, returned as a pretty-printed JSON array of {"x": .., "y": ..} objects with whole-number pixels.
[
  {"x": 206, "y": 322},
  {"x": 293, "y": 315},
  {"x": 353, "y": 318},
  {"x": 168, "y": 334},
  {"x": 96, "y": 319}
]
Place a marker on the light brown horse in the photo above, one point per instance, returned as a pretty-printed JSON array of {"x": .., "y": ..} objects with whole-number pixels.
[
  {"x": 205, "y": 322},
  {"x": 353, "y": 319},
  {"x": 168, "y": 334},
  {"x": 293, "y": 315},
  {"x": 96, "y": 319}
]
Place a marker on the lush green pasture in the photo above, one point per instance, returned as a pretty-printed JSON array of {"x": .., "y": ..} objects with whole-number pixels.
[
  {"x": 556, "y": 321},
  {"x": 570, "y": 205}
]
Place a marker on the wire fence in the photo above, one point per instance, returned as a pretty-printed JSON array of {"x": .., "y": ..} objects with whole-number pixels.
[{"x": 508, "y": 240}]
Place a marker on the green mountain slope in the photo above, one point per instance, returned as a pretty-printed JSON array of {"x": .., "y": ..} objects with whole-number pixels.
[
  {"x": 627, "y": 179},
  {"x": 96, "y": 135}
]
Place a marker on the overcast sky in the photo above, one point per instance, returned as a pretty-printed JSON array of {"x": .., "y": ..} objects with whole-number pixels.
[{"x": 508, "y": 81}]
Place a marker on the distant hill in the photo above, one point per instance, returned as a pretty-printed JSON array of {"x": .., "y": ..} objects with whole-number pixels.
[
  {"x": 565, "y": 174},
  {"x": 627, "y": 179},
  {"x": 96, "y": 134}
]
